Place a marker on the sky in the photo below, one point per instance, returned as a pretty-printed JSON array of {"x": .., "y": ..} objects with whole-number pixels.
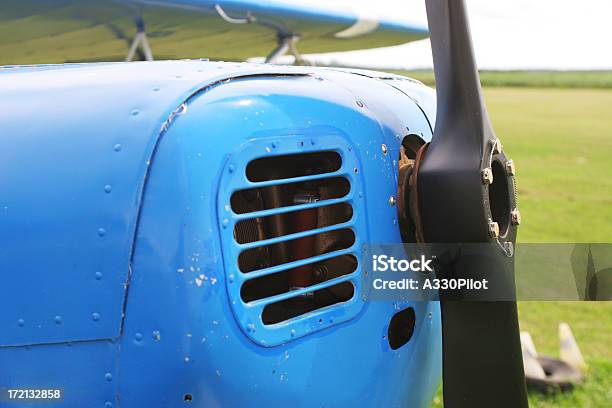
[{"x": 507, "y": 34}]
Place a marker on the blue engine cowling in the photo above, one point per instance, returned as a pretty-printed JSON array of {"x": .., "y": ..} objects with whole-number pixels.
[{"x": 123, "y": 281}]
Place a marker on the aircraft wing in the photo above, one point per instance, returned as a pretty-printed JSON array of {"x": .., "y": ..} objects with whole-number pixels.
[{"x": 43, "y": 31}]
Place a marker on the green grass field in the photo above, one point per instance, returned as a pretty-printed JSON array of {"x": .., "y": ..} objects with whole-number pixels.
[
  {"x": 560, "y": 140},
  {"x": 530, "y": 79}
]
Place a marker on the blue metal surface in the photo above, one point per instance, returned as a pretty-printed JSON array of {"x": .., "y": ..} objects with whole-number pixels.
[
  {"x": 76, "y": 156},
  {"x": 179, "y": 125},
  {"x": 86, "y": 372},
  {"x": 285, "y": 11}
]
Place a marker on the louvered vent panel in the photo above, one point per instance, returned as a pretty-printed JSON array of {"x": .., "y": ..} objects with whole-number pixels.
[{"x": 291, "y": 219}]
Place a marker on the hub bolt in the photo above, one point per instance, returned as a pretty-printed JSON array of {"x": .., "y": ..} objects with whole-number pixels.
[
  {"x": 515, "y": 216},
  {"x": 487, "y": 175},
  {"x": 510, "y": 169},
  {"x": 493, "y": 229}
]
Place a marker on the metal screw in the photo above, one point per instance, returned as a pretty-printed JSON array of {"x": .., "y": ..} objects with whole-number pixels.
[
  {"x": 510, "y": 169},
  {"x": 493, "y": 229},
  {"x": 392, "y": 201},
  {"x": 515, "y": 216},
  {"x": 487, "y": 175},
  {"x": 384, "y": 148}
]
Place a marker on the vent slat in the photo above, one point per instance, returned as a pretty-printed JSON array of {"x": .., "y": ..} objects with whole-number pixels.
[
  {"x": 277, "y": 182},
  {"x": 297, "y": 235},
  {"x": 260, "y": 303},
  {"x": 293, "y": 208},
  {"x": 243, "y": 277}
]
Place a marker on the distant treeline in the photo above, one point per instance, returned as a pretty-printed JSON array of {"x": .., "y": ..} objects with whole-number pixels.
[{"x": 534, "y": 79}]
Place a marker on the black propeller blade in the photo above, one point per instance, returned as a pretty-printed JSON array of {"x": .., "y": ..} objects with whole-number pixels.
[{"x": 465, "y": 187}]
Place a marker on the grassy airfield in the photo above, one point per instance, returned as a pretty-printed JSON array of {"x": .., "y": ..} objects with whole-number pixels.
[
  {"x": 530, "y": 79},
  {"x": 560, "y": 139}
]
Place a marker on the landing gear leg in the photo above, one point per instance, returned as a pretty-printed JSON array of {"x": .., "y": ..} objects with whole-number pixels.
[
  {"x": 140, "y": 39},
  {"x": 287, "y": 43}
]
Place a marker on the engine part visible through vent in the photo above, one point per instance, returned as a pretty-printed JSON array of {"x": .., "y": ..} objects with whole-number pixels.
[{"x": 291, "y": 229}]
